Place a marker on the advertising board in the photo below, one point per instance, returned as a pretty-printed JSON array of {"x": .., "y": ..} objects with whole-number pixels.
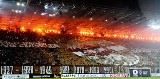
[
  {"x": 15, "y": 76},
  {"x": 92, "y": 75},
  {"x": 140, "y": 72}
]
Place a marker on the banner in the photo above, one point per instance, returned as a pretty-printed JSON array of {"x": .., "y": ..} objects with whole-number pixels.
[
  {"x": 140, "y": 72},
  {"x": 27, "y": 44},
  {"x": 92, "y": 75},
  {"x": 155, "y": 74},
  {"x": 15, "y": 76},
  {"x": 38, "y": 70},
  {"x": 42, "y": 76},
  {"x": 84, "y": 75},
  {"x": 118, "y": 75},
  {"x": 69, "y": 76}
]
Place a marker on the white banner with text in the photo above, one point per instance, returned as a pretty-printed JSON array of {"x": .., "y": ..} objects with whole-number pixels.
[
  {"x": 15, "y": 76},
  {"x": 92, "y": 75}
]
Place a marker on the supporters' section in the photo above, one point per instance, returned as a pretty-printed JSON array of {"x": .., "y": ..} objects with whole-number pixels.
[
  {"x": 48, "y": 38},
  {"x": 79, "y": 57}
]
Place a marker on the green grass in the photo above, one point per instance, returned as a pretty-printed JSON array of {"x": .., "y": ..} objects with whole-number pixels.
[{"x": 105, "y": 78}]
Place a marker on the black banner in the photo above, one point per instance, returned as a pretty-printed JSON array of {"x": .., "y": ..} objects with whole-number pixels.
[
  {"x": 42, "y": 76},
  {"x": 78, "y": 69},
  {"x": 140, "y": 72}
]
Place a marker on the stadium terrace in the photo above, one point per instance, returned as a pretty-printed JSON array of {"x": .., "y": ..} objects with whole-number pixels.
[{"x": 79, "y": 39}]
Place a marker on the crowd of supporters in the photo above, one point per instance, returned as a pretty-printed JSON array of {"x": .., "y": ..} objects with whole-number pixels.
[
  {"x": 26, "y": 56},
  {"x": 147, "y": 51},
  {"x": 64, "y": 55},
  {"x": 37, "y": 55}
]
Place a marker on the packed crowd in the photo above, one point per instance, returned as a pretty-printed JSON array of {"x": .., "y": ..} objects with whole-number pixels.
[
  {"x": 12, "y": 52},
  {"x": 29, "y": 55},
  {"x": 147, "y": 51},
  {"x": 26, "y": 56},
  {"x": 90, "y": 47}
]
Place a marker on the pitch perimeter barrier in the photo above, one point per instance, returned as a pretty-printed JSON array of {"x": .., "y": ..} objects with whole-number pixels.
[
  {"x": 155, "y": 74},
  {"x": 92, "y": 75},
  {"x": 15, "y": 76}
]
